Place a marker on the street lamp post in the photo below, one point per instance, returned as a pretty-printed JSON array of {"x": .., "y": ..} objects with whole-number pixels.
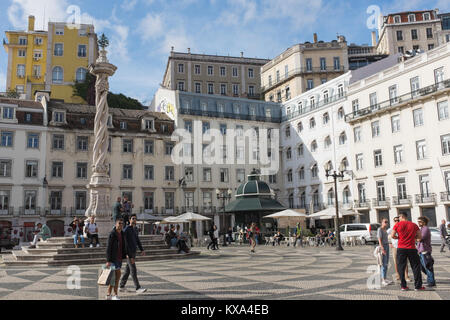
[
  {"x": 335, "y": 176},
  {"x": 223, "y": 196}
]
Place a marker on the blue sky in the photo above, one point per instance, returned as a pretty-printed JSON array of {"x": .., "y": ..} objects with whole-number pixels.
[{"x": 141, "y": 32}]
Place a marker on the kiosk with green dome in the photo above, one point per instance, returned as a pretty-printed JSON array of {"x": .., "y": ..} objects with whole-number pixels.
[{"x": 254, "y": 199}]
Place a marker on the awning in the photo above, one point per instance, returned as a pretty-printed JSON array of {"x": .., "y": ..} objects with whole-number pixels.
[
  {"x": 330, "y": 213},
  {"x": 287, "y": 213},
  {"x": 254, "y": 204}
]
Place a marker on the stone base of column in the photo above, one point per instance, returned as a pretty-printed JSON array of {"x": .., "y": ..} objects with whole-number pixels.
[
  {"x": 100, "y": 204},
  {"x": 104, "y": 227}
]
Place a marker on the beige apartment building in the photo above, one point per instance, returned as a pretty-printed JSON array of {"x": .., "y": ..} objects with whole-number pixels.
[
  {"x": 400, "y": 141},
  {"x": 139, "y": 155},
  {"x": 212, "y": 74},
  {"x": 302, "y": 67},
  {"x": 410, "y": 30}
]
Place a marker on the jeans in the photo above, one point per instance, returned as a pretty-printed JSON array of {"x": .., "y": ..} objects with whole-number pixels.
[
  {"x": 384, "y": 267},
  {"x": 403, "y": 255},
  {"x": 75, "y": 239},
  {"x": 173, "y": 242},
  {"x": 443, "y": 243},
  {"x": 130, "y": 267},
  {"x": 429, "y": 272}
]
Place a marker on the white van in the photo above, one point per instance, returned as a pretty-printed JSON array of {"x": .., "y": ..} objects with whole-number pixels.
[{"x": 367, "y": 232}]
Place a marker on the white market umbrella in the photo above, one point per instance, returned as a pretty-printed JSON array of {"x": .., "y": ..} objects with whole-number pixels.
[
  {"x": 191, "y": 216},
  {"x": 169, "y": 220},
  {"x": 146, "y": 216},
  {"x": 288, "y": 217},
  {"x": 330, "y": 213}
]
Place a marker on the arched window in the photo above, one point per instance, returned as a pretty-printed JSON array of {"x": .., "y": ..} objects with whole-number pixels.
[
  {"x": 325, "y": 96},
  {"x": 330, "y": 165},
  {"x": 312, "y": 102},
  {"x": 342, "y": 138},
  {"x": 341, "y": 113},
  {"x": 312, "y": 123},
  {"x": 303, "y": 200},
  {"x": 346, "y": 195},
  {"x": 301, "y": 173},
  {"x": 340, "y": 91},
  {"x": 81, "y": 74},
  {"x": 326, "y": 118},
  {"x": 313, "y": 146},
  {"x": 331, "y": 197},
  {"x": 327, "y": 142},
  {"x": 288, "y": 131},
  {"x": 300, "y": 107},
  {"x": 300, "y": 150},
  {"x": 289, "y": 153},
  {"x": 291, "y": 201},
  {"x": 58, "y": 75},
  {"x": 314, "y": 171},
  {"x": 344, "y": 163},
  {"x": 300, "y": 126},
  {"x": 289, "y": 175}
]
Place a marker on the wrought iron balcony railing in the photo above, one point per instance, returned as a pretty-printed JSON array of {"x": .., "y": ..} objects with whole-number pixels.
[
  {"x": 398, "y": 100},
  {"x": 362, "y": 203},
  {"x": 426, "y": 198},
  {"x": 217, "y": 114},
  {"x": 445, "y": 196},
  {"x": 401, "y": 201},
  {"x": 382, "y": 202}
]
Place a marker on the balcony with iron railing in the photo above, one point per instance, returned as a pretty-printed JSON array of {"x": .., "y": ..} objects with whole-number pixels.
[
  {"x": 6, "y": 211},
  {"x": 300, "y": 71},
  {"x": 308, "y": 108},
  {"x": 381, "y": 202},
  {"x": 399, "y": 100},
  {"x": 218, "y": 114},
  {"x": 426, "y": 199},
  {"x": 445, "y": 196},
  {"x": 361, "y": 204},
  {"x": 405, "y": 201}
]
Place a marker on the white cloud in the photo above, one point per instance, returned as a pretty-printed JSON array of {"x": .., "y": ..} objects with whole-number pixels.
[
  {"x": 178, "y": 39},
  {"x": 45, "y": 10},
  {"x": 129, "y": 5},
  {"x": 151, "y": 27}
]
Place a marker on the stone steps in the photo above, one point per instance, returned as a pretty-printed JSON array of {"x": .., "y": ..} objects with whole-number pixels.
[{"x": 61, "y": 252}]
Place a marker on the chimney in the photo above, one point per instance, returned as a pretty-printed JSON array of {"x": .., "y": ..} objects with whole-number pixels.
[
  {"x": 189, "y": 50},
  {"x": 171, "y": 49},
  {"x": 31, "y": 20},
  {"x": 242, "y": 54},
  {"x": 374, "y": 39},
  {"x": 315, "y": 37}
]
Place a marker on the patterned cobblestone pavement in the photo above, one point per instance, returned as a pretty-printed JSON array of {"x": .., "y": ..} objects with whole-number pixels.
[{"x": 275, "y": 273}]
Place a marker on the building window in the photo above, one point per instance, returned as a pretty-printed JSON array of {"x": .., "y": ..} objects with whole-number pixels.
[
  {"x": 127, "y": 172},
  {"x": 426, "y": 16},
  {"x": 8, "y": 113},
  {"x": 287, "y": 131},
  {"x": 398, "y": 154},
  {"x": 82, "y": 143},
  {"x": 207, "y": 174},
  {"x": 310, "y": 84},
  {"x": 223, "y": 175},
  {"x": 251, "y": 91},
  {"x": 429, "y": 33},
  {"x": 55, "y": 200},
  {"x": 312, "y": 123},
  {"x": 323, "y": 64},
  {"x": 289, "y": 175},
  {"x": 399, "y": 35},
  {"x": 357, "y": 134},
  {"x": 210, "y": 88},
  {"x": 148, "y": 201},
  {"x": 223, "y": 128},
  {"x": 235, "y": 72},
  {"x": 314, "y": 171},
  {"x": 430, "y": 46},
  {"x": 59, "y": 50},
  {"x": 414, "y": 34},
  {"x": 170, "y": 173},
  {"x": 401, "y": 49},
  {"x": 397, "y": 19},
  {"x": 58, "y": 142},
  {"x": 359, "y": 161},
  {"x": 22, "y": 53},
  {"x": 81, "y": 170},
  {"x": 381, "y": 193},
  {"x": 148, "y": 146},
  {"x": 180, "y": 68},
  {"x": 127, "y": 146},
  {"x": 198, "y": 87},
  {"x": 58, "y": 75},
  {"x": 416, "y": 48},
  {"x": 401, "y": 189},
  {"x": 5, "y": 168},
  {"x": 169, "y": 148},
  {"x": 289, "y": 153},
  {"x": 58, "y": 117},
  {"x": 418, "y": 117},
  {"x": 148, "y": 172},
  {"x": 250, "y": 73},
  {"x": 395, "y": 123},
  {"x": 326, "y": 118},
  {"x": 375, "y": 129},
  {"x": 223, "y": 89},
  {"x": 30, "y": 199},
  {"x": 308, "y": 64},
  {"x": 205, "y": 127},
  {"x": 31, "y": 169},
  {"x": 424, "y": 182},
  {"x": 240, "y": 175},
  {"x": 169, "y": 200},
  {"x": 81, "y": 75},
  {"x": 337, "y": 64},
  {"x": 442, "y": 110},
  {"x": 362, "y": 192},
  {"x": 33, "y": 141},
  {"x": 82, "y": 51},
  {"x": 181, "y": 86},
  {"x": 327, "y": 142},
  {"x": 445, "y": 142},
  {"x": 378, "y": 158},
  {"x": 411, "y": 17},
  {"x": 300, "y": 150},
  {"x": 342, "y": 138},
  {"x": 414, "y": 82},
  {"x": 223, "y": 72},
  {"x": 301, "y": 173},
  {"x": 80, "y": 200},
  {"x": 393, "y": 94},
  {"x": 235, "y": 89},
  {"x": 314, "y": 146},
  {"x": 197, "y": 69},
  {"x": 57, "y": 169},
  {"x": 210, "y": 70},
  {"x": 299, "y": 126}
]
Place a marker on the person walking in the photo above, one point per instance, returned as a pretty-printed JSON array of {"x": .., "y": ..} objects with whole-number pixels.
[
  {"x": 117, "y": 212},
  {"x": 394, "y": 245},
  {"x": 444, "y": 234},
  {"x": 127, "y": 208},
  {"x": 116, "y": 251},
  {"x": 407, "y": 233},
  {"x": 42, "y": 232},
  {"x": 91, "y": 230},
  {"x": 133, "y": 242},
  {"x": 251, "y": 236},
  {"x": 424, "y": 248},
  {"x": 383, "y": 241},
  {"x": 211, "y": 232},
  {"x": 77, "y": 229}
]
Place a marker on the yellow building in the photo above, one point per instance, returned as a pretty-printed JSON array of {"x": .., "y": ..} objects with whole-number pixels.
[{"x": 50, "y": 60}]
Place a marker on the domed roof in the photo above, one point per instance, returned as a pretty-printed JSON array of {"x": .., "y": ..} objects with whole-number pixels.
[{"x": 253, "y": 187}]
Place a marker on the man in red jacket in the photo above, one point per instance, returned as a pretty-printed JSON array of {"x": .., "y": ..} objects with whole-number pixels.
[{"x": 407, "y": 233}]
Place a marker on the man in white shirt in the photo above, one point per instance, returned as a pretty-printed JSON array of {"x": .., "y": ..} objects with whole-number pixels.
[{"x": 92, "y": 232}]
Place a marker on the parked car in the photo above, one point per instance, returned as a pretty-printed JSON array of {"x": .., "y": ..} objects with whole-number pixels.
[
  {"x": 367, "y": 232},
  {"x": 436, "y": 236}
]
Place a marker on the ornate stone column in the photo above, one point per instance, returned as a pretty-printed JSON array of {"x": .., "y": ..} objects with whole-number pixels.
[{"x": 100, "y": 184}]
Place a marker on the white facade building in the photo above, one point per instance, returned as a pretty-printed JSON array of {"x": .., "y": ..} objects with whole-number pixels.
[{"x": 400, "y": 138}]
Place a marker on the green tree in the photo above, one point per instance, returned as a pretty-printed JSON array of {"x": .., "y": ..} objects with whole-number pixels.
[{"x": 86, "y": 91}]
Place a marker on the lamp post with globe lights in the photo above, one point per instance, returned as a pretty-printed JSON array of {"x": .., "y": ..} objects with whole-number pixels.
[
  {"x": 335, "y": 175},
  {"x": 224, "y": 196}
]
